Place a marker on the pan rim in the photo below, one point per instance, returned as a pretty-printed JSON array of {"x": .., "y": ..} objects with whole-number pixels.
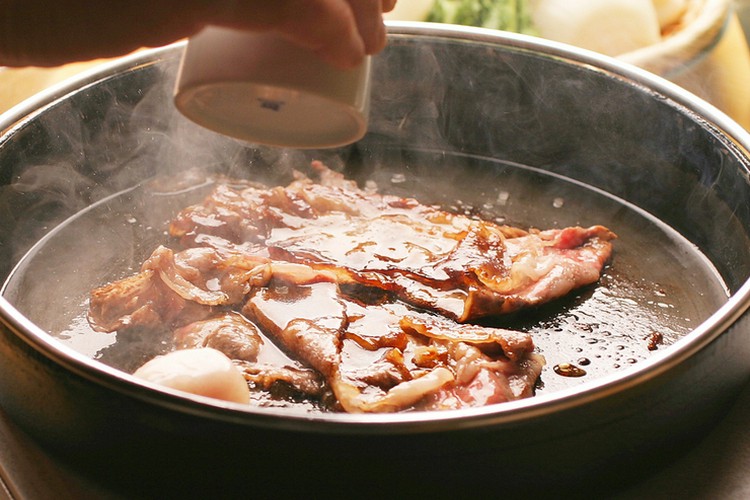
[{"x": 565, "y": 399}]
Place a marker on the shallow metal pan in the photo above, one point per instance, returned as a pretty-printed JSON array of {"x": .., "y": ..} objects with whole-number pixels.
[{"x": 489, "y": 112}]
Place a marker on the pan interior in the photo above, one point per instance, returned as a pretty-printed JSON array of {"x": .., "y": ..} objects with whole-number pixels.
[{"x": 657, "y": 288}]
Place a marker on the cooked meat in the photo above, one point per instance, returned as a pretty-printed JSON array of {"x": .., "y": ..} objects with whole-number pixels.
[
  {"x": 483, "y": 380},
  {"x": 513, "y": 344},
  {"x": 389, "y": 357},
  {"x": 261, "y": 362},
  {"x": 143, "y": 300},
  {"x": 209, "y": 276},
  {"x": 305, "y": 382},
  {"x": 324, "y": 288},
  {"x": 229, "y": 333},
  {"x": 459, "y": 266},
  {"x": 177, "y": 288}
]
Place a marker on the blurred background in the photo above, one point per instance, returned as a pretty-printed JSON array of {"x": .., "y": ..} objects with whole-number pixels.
[
  {"x": 701, "y": 45},
  {"x": 743, "y": 12}
]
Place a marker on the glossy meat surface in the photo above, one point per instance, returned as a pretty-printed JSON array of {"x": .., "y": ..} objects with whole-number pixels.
[
  {"x": 462, "y": 267},
  {"x": 354, "y": 300},
  {"x": 389, "y": 357}
]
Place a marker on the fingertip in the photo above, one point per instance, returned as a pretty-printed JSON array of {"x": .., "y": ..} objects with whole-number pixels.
[
  {"x": 350, "y": 60},
  {"x": 378, "y": 40},
  {"x": 342, "y": 57}
]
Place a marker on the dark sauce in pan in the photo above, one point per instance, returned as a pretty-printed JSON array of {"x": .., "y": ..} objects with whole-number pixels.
[{"x": 657, "y": 288}]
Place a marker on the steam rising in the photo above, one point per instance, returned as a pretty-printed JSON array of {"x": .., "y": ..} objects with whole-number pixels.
[{"x": 453, "y": 122}]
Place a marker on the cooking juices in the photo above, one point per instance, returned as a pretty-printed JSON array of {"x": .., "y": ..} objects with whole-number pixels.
[{"x": 657, "y": 287}]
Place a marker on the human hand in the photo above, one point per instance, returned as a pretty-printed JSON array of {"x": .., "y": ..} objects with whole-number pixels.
[{"x": 54, "y": 32}]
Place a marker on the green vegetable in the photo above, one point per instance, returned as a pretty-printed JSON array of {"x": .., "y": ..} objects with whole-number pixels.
[{"x": 508, "y": 15}]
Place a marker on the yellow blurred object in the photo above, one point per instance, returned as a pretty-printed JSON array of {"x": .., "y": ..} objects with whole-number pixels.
[
  {"x": 723, "y": 78},
  {"x": 702, "y": 47},
  {"x": 707, "y": 55},
  {"x": 410, "y": 10},
  {"x": 17, "y": 84},
  {"x": 609, "y": 27}
]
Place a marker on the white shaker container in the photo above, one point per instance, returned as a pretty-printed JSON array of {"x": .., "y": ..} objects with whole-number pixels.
[{"x": 263, "y": 89}]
